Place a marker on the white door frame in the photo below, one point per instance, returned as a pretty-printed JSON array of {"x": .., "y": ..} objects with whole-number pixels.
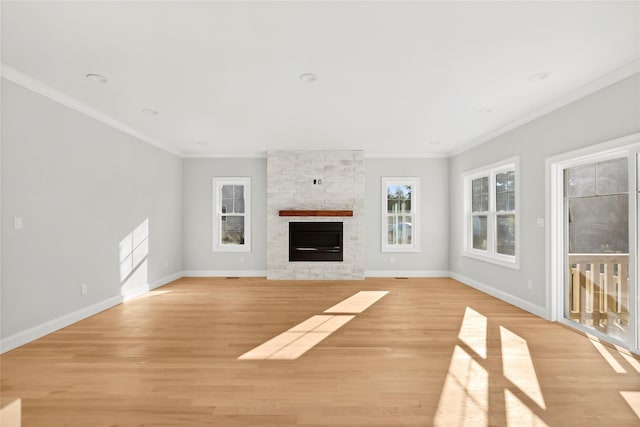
[{"x": 555, "y": 265}]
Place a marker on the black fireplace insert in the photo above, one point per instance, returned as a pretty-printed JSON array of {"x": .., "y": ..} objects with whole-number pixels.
[{"x": 315, "y": 241}]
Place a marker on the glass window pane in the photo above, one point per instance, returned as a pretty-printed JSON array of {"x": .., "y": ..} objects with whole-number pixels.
[
  {"x": 399, "y": 230},
  {"x": 501, "y": 182},
  {"x": 238, "y": 191},
  {"x": 238, "y": 206},
  {"x": 232, "y": 230},
  {"x": 612, "y": 176},
  {"x": 227, "y": 191},
  {"x": 599, "y": 224},
  {"x": 506, "y": 234},
  {"x": 505, "y": 191},
  {"x": 581, "y": 181},
  {"x": 502, "y": 201},
  {"x": 226, "y": 206},
  {"x": 480, "y": 194},
  {"x": 484, "y": 203},
  {"x": 398, "y": 198},
  {"x": 479, "y": 232},
  {"x": 511, "y": 202}
]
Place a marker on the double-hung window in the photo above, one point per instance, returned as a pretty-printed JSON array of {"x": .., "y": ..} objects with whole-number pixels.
[
  {"x": 231, "y": 214},
  {"x": 491, "y": 219},
  {"x": 400, "y": 218}
]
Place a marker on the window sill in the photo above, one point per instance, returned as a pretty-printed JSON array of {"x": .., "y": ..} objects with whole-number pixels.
[
  {"x": 503, "y": 262},
  {"x": 232, "y": 248},
  {"x": 400, "y": 249}
]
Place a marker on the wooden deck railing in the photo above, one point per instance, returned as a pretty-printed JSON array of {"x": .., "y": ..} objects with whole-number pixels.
[{"x": 599, "y": 289}]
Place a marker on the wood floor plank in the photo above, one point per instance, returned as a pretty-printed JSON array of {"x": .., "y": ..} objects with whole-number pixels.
[{"x": 431, "y": 352}]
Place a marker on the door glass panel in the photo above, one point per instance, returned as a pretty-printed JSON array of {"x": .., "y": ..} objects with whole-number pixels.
[{"x": 597, "y": 216}]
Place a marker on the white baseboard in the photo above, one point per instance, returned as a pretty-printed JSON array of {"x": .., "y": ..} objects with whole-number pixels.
[
  {"x": 518, "y": 302},
  {"x": 39, "y": 331},
  {"x": 53, "y": 325},
  {"x": 404, "y": 273},
  {"x": 224, "y": 273}
]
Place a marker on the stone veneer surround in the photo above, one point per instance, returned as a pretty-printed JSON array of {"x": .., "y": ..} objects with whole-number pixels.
[{"x": 290, "y": 176}]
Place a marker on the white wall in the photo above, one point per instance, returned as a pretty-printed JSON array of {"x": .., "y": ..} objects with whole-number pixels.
[
  {"x": 199, "y": 260},
  {"x": 604, "y": 115},
  {"x": 433, "y": 259},
  {"x": 81, "y": 187},
  {"x": 197, "y": 184}
]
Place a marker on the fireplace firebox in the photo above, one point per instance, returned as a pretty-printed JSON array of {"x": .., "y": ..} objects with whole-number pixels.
[{"x": 315, "y": 241}]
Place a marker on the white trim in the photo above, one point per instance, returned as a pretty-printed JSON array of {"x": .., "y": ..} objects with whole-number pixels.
[
  {"x": 216, "y": 220},
  {"x": 555, "y": 266},
  {"x": 40, "y": 88},
  {"x": 406, "y": 273},
  {"x": 491, "y": 255},
  {"x": 224, "y": 273},
  {"x": 250, "y": 155},
  {"x": 406, "y": 156},
  {"x": 39, "y": 331},
  {"x": 583, "y": 91},
  {"x": 518, "y": 302},
  {"x": 415, "y": 183}
]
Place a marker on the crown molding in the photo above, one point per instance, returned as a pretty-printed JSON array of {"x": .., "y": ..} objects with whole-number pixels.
[
  {"x": 250, "y": 155},
  {"x": 47, "y": 91},
  {"x": 581, "y": 92}
]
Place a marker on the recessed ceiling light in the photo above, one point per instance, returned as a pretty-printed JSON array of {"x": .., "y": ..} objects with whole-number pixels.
[
  {"x": 484, "y": 110},
  {"x": 308, "y": 77},
  {"x": 97, "y": 78},
  {"x": 538, "y": 76},
  {"x": 202, "y": 143},
  {"x": 434, "y": 143},
  {"x": 150, "y": 111}
]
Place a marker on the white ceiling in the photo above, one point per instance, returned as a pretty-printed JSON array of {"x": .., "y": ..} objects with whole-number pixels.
[{"x": 394, "y": 78}]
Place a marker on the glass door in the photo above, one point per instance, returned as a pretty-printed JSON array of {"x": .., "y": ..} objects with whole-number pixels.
[{"x": 596, "y": 225}]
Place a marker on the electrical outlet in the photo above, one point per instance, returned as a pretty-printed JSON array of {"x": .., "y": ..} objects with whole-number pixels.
[
  {"x": 392, "y": 259},
  {"x": 17, "y": 223},
  {"x": 83, "y": 289},
  {"x": 530, "y": 284}
]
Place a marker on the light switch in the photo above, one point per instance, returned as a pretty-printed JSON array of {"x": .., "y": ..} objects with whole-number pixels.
[{"x": 17, "y": 223}]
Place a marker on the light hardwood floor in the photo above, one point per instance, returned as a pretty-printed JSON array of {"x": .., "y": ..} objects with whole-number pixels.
[{"x": 430, "y": 352}]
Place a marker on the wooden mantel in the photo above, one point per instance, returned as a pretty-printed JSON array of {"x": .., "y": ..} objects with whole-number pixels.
[{"x": 325, "y": 212}]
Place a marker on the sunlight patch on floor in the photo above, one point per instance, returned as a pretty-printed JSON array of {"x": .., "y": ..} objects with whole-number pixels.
[
  {"x": 473, "y": 331},
  {"x": 465, "y": 396},
  {"x": 517, "y": 365},
  {"x": 615, "y": 365},
  {"x": 629, "y": 358},
  {"x": 633, "y": 399},
  {"x": 357, "y": 303},
  {"x": 304, "y": 336},
  {"x": 464, "y": 400},
  {"x": 518, "y": 414},
  {"x": 299, "y": 339}
]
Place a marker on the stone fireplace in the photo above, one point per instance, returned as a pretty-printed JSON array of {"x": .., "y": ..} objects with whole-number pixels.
[{"x": 327, "y": 183}]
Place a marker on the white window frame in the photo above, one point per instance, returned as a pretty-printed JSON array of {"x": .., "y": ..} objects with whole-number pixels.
[
  {"x": 491, "y": 254},
  {"x": 218, "y": 182},
  {"x": 414, "y": 246}
]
